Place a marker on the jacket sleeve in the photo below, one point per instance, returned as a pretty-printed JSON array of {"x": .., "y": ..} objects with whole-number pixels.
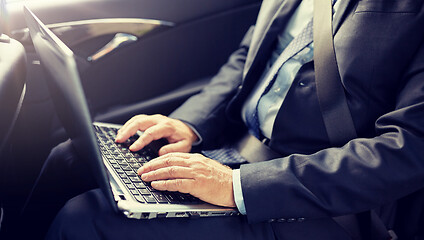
[
  {"x": 363, "y": 174},
  {"x": 206, "y": 110}
]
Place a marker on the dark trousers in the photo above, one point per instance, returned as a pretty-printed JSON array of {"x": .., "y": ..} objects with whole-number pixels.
[
  {"x": 89, "y": 216},
  {"x": 62, "y": 177}
]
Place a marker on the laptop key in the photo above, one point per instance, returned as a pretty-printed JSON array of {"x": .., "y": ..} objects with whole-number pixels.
[
  {"x": 135, "y": 179},
  {"x": 149, "y": 198},
  {"x": 182, "y": 198},
  {"x": 148, "y": 186},
  {"x": 144, "y": 191},
  {"x": 170, "y": 196},
  {"x": 121, "y": 161},
  {"x": 130, "y": 186},
  {"x": 127, "y": 181},
  {"x": 139, "y": 198},
  {"x": 160, "y": 197},
  {"x": 132, "y": 160},
  {"x": 139, "y": 185},
  {"x": 131, "y": 173},
  {"x": 115, "y": 151},
  {"x": 135, "y": 165},
  {"x": 126, "y": 168}
]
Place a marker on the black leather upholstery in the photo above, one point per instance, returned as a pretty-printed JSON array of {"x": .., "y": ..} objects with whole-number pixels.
[
  {"x": 12, "y": 91},
  {"x": 12, "y": 84}
]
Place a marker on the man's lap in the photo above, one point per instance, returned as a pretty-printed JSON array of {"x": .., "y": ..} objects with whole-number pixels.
[
  {"x": 88, "y": 216},
  {"x": 62, "y": 177}
]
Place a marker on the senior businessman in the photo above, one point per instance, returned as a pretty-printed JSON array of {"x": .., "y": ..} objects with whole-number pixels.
[{"x": 379, "y": 50}]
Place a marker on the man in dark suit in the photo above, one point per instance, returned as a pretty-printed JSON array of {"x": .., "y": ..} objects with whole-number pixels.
[{"x": 379, "y": 47}]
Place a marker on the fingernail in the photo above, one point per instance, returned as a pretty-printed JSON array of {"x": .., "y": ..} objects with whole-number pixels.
[
  {"x": 144, "y": 177},
  {"x": 132, "y": 147},
  {"x": 118, "y": 137},
  {"x": 162, "y": 152},
  {"x": 140, "y": 171}
]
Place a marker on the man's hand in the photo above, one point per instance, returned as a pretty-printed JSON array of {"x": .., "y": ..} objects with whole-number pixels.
[
  {"x": 178, "y": 134},
  {"x": 195, "y": 174}
]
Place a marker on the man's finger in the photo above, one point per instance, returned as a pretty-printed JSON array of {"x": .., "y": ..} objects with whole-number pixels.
[
  {"x": 173, "y": 155},
  {"x": 129, "y": 122},
  {"x": 138, "y": 124},
  {"x": 174, "y": 185},
  {"x": 172, "y": 172},
  {"x": 167, "y": 161},
  {"x": 153, "y": 133},
  {"x": 124, "y": 135},
  {"x": 181, "y": 146}
]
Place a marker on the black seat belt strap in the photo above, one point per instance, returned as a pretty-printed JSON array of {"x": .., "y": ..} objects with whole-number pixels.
[
  {"x": 335, "y": 111},
  {"x": 331, "y": 96},
  {"x": 332, "y": 100}
]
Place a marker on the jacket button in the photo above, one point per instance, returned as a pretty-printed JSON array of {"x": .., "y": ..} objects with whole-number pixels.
[
  {"x": 271, "y": 220},
  {"x": 302, "y": 84},
  {"x": 301, "y": 219},
  {"x": 281, "y": 220},
  {"x": 290, "y": 220}
]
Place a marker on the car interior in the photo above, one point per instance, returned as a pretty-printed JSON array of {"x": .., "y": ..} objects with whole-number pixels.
[
  {"x": 12, "y": 94},
  {"x": 134, "y": 57}
]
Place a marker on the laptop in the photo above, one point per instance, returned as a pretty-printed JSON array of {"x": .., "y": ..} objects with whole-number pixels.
[{"x": 113, "y": 165}]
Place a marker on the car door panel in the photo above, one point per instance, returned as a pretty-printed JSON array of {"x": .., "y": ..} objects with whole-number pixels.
[
  {"x": 164, "y": 62},
  {"x": 195, "y": 39}
]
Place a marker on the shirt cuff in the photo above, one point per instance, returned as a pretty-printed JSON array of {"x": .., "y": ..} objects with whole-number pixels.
[{"x": 238, "y": 193}]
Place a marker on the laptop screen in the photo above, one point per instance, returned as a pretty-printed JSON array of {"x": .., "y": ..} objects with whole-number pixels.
[{"x": 68, "y": 97}]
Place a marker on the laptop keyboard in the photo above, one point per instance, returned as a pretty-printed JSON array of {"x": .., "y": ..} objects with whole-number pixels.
[{"x": 126, "y": 163}]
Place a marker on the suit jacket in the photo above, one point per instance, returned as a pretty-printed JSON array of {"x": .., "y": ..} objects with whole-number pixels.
[{"x": 379, "y": 49}]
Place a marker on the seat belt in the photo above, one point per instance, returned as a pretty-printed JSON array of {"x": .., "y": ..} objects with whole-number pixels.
[
  {"x": 332, "y": 100},
  {"x": 336, "y": 114},
  {"x": 331, "y": 97}
]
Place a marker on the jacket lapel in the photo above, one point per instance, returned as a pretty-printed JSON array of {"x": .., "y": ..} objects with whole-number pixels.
[
  {"x": 271, "y": 20},
  {"x": 340, "y": 14}
]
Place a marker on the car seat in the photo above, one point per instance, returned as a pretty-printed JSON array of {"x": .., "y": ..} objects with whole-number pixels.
[{"x": 12, "y": 91}]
